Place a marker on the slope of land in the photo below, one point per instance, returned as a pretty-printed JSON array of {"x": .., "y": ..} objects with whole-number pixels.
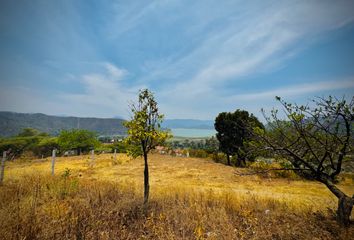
[
  {"x": 190, "y": 199},
  {"x": 12, "y": 123}
]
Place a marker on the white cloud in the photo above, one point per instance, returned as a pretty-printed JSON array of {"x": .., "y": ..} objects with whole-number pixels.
[
  {"x": 103, "y": 93},
  {"x": 259, "y": 40},
  {"x": 114, "y": 71},
  {"x": 295, "y": 90}
]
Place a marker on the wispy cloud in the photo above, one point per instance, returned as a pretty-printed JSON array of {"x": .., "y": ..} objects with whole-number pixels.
[
  {"x": 256, "y": 41},
  {"x": 103, "y": 92},
  {"x": 199, "y": 57},
  {"x": 295, "y": 90}
]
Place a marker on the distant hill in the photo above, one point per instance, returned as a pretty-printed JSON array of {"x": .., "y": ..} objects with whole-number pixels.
[
  {"x": 12, "y": 123},
  {"x": 188, "y": 123}
]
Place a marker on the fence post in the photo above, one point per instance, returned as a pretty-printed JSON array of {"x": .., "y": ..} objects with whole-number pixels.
[
  {"x": 92, "y": 157},
  {"x": 53, "y": 161},
  {"x": 115, "y": 155},
  {"x": 2, "y": 171}
]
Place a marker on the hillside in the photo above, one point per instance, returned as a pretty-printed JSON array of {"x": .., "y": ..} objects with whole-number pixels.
[
  {"x": 190, "y": 199},
  {"x": 12, "y": 123}
]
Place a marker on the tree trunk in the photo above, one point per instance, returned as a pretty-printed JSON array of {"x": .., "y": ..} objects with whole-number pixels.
[
  {"x": 345, "y": 206},
  {"x": 146, "y": 179},
  {"x": 238, "y": 162},
  {"x": 228, "y": 159},
  {"x": 345, "y": 203},
  {"x": 243, "y": 162},
  {"x": 78, "y": 151}
]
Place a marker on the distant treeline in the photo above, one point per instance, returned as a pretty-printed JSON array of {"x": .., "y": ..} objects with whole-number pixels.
[
  {"x": 31, "y": 142},
  {"x": 11, "y": 124}
]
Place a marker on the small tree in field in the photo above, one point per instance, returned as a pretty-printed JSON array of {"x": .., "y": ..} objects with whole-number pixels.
[
  {"x": 317, "y": 141},
  {"x": 144, "y": 132},
  {"x": 234, "y": 131},
  {"x": 80, "y": 139}
]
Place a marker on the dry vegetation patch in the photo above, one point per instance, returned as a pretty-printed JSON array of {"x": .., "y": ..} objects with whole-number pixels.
[{"x": 191, "y": 199}]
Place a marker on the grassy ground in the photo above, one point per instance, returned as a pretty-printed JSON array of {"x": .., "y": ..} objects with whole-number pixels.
[{"x": 190, "y": 199}]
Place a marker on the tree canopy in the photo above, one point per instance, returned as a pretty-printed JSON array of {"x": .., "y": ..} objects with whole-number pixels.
[
  {"x": 78, "y": 139},
  {"x": 234, "y": 130}
]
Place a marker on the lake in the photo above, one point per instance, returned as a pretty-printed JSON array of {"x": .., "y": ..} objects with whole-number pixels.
[{"x": 192, "y": 132}]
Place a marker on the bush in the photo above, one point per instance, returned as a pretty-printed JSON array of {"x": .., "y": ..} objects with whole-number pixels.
[
  {"x": 119, "y": 146},
  {"x": 17, "y": 145},
  {"x": 45, "y": 146},
  {"x": 78, "y": 139},
  {"x": 198, "y": 153},
  {"x": 218, "y": 157},
  {"x": 264, "y": 166}
]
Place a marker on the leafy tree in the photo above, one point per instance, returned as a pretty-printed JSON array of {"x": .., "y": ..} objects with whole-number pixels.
[
  {"x": 315, "y": 140},
  {"x": 119, "y": 146},
  {"x": 234, "y": 130},
  {"x": 211, "y": 145},
  {"x": 45, "y": 146},
  {"x": 144, "y": 132},
  {"x": 28, "y": 132},
  {"x": 79, "y": 139}
]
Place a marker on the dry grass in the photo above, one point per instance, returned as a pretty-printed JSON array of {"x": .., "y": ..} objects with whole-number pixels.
[{"x": 190, "y": 199}]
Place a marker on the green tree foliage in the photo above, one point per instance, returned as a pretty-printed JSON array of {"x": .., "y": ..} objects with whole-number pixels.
[
  {"x": 316, "y": 141},
  {"x": 27, "y": 140},
  {"x": 28, "y": 132},
  {"x": 45, "y": 146},
  {"x": 79, "y": 139},
  {"x": 234, "y": 132},
  {"x": 144, "y": 132}
]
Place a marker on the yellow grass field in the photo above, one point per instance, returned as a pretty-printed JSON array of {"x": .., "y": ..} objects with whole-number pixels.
[{"x": 173, "y": 182}]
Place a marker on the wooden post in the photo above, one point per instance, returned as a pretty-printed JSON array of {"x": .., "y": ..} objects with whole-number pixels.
[
  {"x": 92, "y": 157},
  {"x": 2, "y": 171},
  {"x": 53, "y": 161},
  {"x": 115, "y": 155}
]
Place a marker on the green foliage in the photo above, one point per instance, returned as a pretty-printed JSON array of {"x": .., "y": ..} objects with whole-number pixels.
[
  {"x": 29, "y": 140},
  {"x": 17, "y": 145},
  {"x": 45, "y": 146},
  {"x": 235, "y": 131},
  {"x": 79, "y": 139},
  {"x": 120, "y": 146},
  {"x": 272, "y": 168},
  {"x": 198, "y": 153},
  {"x": 144, "y": 129},
  {"x": 28, "y": 132}
]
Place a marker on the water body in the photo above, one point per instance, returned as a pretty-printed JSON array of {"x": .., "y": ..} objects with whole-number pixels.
[{"x": 192, "y": 132}]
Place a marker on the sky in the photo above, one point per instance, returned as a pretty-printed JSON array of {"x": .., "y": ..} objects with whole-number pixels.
[{"x": 199, "y": 58}]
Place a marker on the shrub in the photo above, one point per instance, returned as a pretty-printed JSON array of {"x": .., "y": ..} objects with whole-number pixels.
[{"x": 198, "y": 153}]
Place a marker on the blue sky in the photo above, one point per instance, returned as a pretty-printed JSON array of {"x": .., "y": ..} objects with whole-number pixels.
[{"x": 90, "y": 58}]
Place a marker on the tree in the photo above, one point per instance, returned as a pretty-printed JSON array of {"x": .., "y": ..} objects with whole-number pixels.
[
  {"x": 45, "y": 146},
  {"x": 211, "y": 145},
  {"x": 28, "y": 132},
  {"x": 79, "y": 139},
  {"x": 317, "y": 141},
  {"x": 233, "y": 131},
  {"x": 144, "y": 132}
]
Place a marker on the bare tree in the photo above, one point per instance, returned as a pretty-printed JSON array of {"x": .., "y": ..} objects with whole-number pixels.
[{"x": 317, "y": 139}]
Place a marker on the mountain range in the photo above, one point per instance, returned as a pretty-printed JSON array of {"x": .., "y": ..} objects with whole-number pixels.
[{"x": 11, "y": 123}]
